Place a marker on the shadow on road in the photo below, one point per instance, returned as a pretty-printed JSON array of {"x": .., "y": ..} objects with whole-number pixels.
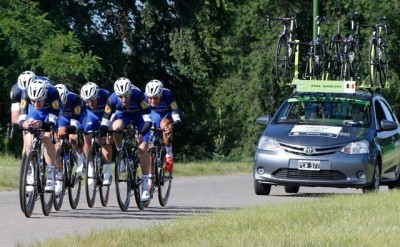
[{"x": 150, "y": 213}]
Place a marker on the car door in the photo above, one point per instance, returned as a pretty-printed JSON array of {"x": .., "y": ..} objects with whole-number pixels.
[{"x": 388, "y": 140}]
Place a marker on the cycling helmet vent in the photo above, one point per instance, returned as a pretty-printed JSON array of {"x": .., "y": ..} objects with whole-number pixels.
[
  {"x": 25, "y": 78},
  {"x": 122, "y": 86},
  {"x": 89, "y": 91},
  {"x": 37, "y": 90},
  {"x": 154, "y": 88}
]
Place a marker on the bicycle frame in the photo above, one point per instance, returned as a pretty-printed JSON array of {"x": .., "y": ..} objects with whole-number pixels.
[
  {"x": 316, "y": 55},
  {"x": 378, "y": 63},
  {"x": 285, "y": 62},
  {"x": 350, "y": 57}
]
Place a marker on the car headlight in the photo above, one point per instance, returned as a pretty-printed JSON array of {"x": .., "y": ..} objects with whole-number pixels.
[
  {"x": 268, "y": 144},
  {"x": 360, "y": 147}
]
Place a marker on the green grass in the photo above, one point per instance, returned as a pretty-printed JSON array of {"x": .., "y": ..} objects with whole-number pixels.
[
  {"x": 341, "y": 220},
  {"x": 9, "y": 172},
  {"x": 10, "y": 167}
]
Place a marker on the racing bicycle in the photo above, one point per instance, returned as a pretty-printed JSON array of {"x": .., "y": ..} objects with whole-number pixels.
[
  {"x": 377, "y": 60},
  {"x": 33, "y": 176},
  {"x": 66, "y": 164},
  {"x": 162, "y": 180},
  {"x": 127, "y": 179},
  {"x": 316, "y": 55},
  {"x": 94, "y": 172},
  {"x": 285, "y": 48}
]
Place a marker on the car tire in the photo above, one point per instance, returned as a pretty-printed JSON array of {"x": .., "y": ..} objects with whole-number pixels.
[
  {"x": 374, "y": 186},
  {"x": 261, "y": 189},
  {"x": 395, "y": 184},
  {"x": 292, "y": 189}
]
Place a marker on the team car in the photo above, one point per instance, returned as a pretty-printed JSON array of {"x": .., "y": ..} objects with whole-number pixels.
[{"x": 327, "y": 134}]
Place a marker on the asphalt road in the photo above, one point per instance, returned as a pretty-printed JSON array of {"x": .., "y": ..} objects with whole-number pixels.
[{"x": 199, "y": 195}]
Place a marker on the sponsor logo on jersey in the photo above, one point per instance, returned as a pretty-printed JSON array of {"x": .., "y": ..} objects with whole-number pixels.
[
  {"x": 108, "y": 109},
  {"x": 55, "y": 104},
  {"x": 23, "y": 104},
  {"x": 174, "y": 106},
  {"x": 77, "y": 110},
  {"x": 144, "y": 104}
]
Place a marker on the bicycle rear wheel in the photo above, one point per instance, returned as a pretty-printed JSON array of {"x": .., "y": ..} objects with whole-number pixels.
[
  {"x": 28, "y": 188},
  {"x": 282, "y": 60},
  {"x": 122, "y": 181},
  {"x": 74, "y": 184},
  {"x": 91, "y": 177},
  {"x": 60, "y": 161},
  {"x": 46, "y": 198},
  {"x": 164, "y": 180},
  {"x": 382, "y": 65}
]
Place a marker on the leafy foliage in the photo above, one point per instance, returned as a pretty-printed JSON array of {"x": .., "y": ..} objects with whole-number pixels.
[{"x": 216, "y": 56}]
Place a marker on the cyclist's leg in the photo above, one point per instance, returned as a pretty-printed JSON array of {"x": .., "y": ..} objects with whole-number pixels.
[
  {"x": 167, "y": 137},
  {"x": 145, "y": 166}
]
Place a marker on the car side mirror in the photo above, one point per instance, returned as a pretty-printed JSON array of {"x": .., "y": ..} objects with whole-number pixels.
[
  {"x": 263, "y": 120},
  {"x": 388, "y": 125}
]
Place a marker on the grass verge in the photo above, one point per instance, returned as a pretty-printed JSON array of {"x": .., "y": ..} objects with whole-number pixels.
[{"x": 342, "y": 220}]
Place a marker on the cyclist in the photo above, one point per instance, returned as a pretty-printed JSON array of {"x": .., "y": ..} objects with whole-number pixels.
[
  {"x": 129, "y": 106},
  {"x": 70, "y": 116},
  {"x": 24, "y": 79},
  {"x": 95, "y": 102},
  {"x": 165, "y": 113},
  {"x": 40, "y": 107}
]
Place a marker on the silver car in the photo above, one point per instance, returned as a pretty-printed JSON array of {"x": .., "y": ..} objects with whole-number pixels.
[{"x": 329, "y": 140}]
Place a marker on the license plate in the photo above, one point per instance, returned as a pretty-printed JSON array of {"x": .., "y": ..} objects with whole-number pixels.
[{"x": 313, "y": 165}]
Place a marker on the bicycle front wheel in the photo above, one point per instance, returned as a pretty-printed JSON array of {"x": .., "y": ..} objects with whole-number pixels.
[
  {"x": 60, "y": 169},
  {"x": 46, "y": 198},
  {"x": 373, "y": 62},
  {"x": 282, "y": 60},
  {"x": 28, "y": 189},
  {"x": 164, "y": 180},
  {"x": 21, "y": 178},
  {"x": 122, "y": 181},
  {"x": 91, "y": 177},
  {"x": 74, "y": 183}
]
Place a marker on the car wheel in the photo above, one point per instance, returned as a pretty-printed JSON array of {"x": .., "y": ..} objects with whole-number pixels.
[
  {"x": 291, "y": 189},
  {"x": 374, "y": 186},
  {"x": 395, "y": 185},
  {"x": 261, "y": 189}
]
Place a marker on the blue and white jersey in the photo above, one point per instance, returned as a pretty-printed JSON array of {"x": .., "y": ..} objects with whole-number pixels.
[
  {"x": 137, "y": 111},
  {"x": 71, "y": 111},
  {"x": 167, "y": 106},
  {"x": 92, "y": 117},
  {"x": 48, "y": 113}
]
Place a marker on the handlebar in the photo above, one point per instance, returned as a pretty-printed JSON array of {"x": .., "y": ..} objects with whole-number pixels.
[
  {"x": 11, "y": 129},
  {"x": 285, "y": 20}
]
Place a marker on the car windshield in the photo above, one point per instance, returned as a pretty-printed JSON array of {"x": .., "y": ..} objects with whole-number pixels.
[{"x": 325, "y": 110}]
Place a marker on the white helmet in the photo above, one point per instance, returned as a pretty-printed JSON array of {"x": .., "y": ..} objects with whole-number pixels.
[
  {"x": 37, "y": 89},
  {"x": 154, "y": 88},
  {"x": 122, "y": 86},
  {"x": 63, "y": 92},
  {"x": 89, "y": 91},
  {"x": 25, "y": 78}
]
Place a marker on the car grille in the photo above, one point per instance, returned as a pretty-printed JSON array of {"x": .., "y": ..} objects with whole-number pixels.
[
  {"x": 316, "y": 151},
  {"x": 308, "y": 175}
]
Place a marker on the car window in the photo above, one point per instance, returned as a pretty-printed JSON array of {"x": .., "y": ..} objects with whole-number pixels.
[
  {"x": 330, "y": 110},
  {"x": 384, "y": 111}
]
